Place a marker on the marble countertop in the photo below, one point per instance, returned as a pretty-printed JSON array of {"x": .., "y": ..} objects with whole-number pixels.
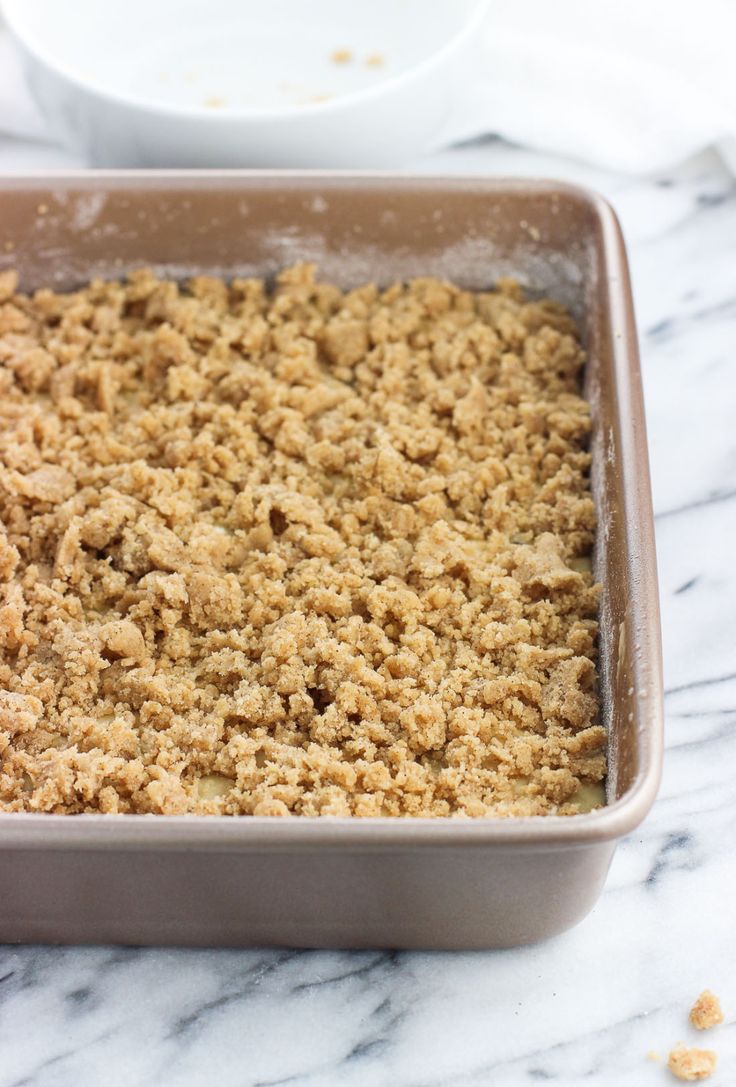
[{"x": 588, "y": 1006}]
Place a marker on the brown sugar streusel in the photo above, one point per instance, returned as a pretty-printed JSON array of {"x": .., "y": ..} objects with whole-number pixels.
[
  {"x": 295, "y": 551},
  {"x": 691, "y": 1064},
  {"x": 706, "y": 1011}
]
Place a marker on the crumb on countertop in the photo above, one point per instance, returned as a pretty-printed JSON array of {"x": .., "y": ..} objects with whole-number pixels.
[
  {"x": 295, "y": 551},
  {"x": 691, "y": 1064},
  {"x": 375, "y": 60},
  {"x": 214, "y": 102},
  {"x": 706, "y": 1011},
  {"x": 341, "y": 56}
]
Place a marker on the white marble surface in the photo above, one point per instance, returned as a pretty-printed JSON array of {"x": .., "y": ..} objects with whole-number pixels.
[{"x": 586, "y": 1007}]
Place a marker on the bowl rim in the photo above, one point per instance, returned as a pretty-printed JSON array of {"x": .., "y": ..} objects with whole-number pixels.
[{"x": 12, "y": 11}]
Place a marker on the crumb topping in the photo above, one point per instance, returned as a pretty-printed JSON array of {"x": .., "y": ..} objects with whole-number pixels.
[
  {"x": 295, "y": 551},
  {"x": 691, "y": 1064},
  {"x": 706, "y": 1011}
]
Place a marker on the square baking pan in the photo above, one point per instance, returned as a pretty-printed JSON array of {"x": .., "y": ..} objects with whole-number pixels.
[{"x": 333, "y": 882}]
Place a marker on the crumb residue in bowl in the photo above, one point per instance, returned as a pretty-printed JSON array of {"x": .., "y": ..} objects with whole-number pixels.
[{"x": 299, "y": 551}]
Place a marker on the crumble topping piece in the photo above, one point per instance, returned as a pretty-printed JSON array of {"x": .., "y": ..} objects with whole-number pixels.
[
  {"x": 691, "y": 1064},
  {"x": 706, "y": 1011},
  {"x": 295, "y": 551}
]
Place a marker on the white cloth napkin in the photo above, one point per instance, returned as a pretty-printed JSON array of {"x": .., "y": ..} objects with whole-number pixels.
[{"x": 628, "y": 85}]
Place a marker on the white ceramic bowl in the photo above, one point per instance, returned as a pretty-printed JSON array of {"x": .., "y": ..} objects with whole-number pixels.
[{"x": 345, "y": 83}]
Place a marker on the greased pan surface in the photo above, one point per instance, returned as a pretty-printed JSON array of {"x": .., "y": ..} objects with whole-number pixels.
[{"x": 336, "y": 882}]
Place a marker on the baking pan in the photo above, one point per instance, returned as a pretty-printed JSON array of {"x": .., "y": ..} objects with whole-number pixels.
[{"x": 331, "y": 882}]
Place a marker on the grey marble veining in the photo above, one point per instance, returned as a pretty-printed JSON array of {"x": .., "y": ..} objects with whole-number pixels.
[{"x": 584, "y": 1008}]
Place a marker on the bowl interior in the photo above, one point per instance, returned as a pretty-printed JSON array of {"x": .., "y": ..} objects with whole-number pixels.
[{"x": 230, "y": 56}]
